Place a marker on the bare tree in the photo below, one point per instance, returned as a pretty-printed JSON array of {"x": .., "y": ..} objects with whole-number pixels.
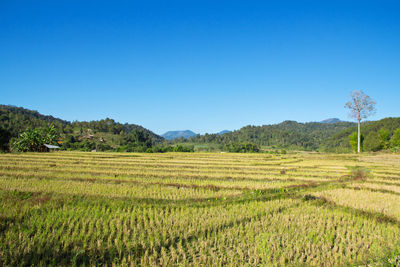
[{"x": 361, "y": 106}]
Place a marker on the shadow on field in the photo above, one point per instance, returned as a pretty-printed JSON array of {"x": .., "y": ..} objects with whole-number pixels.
[
  {"x": 376, "y": 216},
  {"x": 245, "y": 197},
  {"x": 375, "y": 190}
]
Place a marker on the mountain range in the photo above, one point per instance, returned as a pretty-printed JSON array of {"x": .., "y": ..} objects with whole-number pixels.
[
  {"x": 223, "y": 132},
  {"x": 331, "y": 120},
  {"x": 171, "y": 135}
]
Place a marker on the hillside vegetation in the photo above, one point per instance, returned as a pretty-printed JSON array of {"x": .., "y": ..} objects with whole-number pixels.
[
  {"x": 101, "y": 135},
  {"x": 339, "y": 142},
  {"x": 108, "y": 135},
  {"x": 288, "y": 134},
  {"x": 312, "y": 136}
]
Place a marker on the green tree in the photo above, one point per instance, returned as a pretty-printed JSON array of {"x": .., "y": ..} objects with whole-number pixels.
[
  {"x": 353, "y": 139},
  {"x": 181, "y": 148},
  {"x": 242, "y": 147},
  {"x": 372, "y": 142},
  {"x": 34, "y": 139},
  {"x": 384, "y": 138},
  {"x": 395, "y": 141},
  {"x": 139, "y": 138}
]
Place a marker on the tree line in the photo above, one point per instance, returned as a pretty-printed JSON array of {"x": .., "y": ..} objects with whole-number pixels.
[{"x": 289, "y": 135}]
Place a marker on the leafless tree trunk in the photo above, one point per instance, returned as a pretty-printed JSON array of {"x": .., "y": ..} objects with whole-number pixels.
[
  {"x": 359, "y": 136},
  {"x": 361, "y": 106}
]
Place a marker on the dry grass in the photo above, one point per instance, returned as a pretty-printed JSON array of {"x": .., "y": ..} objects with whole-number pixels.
[{"x": 198, "y": 209}]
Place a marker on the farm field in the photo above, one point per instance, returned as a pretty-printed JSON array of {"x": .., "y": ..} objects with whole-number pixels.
[{"x": 199, "y": 209}]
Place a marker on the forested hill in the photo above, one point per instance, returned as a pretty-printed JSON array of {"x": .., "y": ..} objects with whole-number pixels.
[
  {"x": 17, "y": 119},
  {"x": 288, "y": 134},
  {"x": 329, "y": 137},
  {"x": 110, "y": 133}
]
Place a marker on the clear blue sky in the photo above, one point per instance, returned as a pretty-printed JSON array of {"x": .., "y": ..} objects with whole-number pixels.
[{"x": 199, "y": 65}]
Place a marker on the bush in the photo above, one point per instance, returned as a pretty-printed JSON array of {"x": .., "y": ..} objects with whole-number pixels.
[
  {"x": 181, "y": 148},
  {"x": 33, "y": 140},
  {"x": 353, "y": 139},
  {"x": 372, "y": 142},
  {"x": 384, "y": 138},
  {"x": 395, "y": 141},
  {"x": 242, "y": 147},
  {"x": 359, "y": 173}
]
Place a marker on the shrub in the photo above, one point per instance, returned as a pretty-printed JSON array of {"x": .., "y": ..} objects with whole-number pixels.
[
  {"x": 359, "y": 173},
  {"x": 372, "y": 142},
  {"x": 242, "y": 147},
  {"x": 395, "y": 141},
  {"x": 34, "y": 139},
  {"x": 384, "y": 138}
]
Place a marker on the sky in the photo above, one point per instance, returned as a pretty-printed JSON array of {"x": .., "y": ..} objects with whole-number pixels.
[{"x": 201, "y": 65}]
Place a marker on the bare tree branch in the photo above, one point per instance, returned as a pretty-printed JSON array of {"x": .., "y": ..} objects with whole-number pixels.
[{"x": 361, "y": 106}]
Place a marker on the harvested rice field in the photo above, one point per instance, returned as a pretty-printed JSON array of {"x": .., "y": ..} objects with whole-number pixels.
[{"x": 199, "y": 209}]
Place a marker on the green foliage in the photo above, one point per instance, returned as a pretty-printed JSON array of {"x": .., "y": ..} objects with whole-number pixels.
[
  {"x": 395, "y": 141},
  {"x": 339, "y": 140},
  {"x": 102, "y": 135},
  {"x": 359, "y": 173},
  {"x": 285, "y": 135},
  {"x": 137, "y": 141},
  {"x": 353, "y": 140},
  {"x": 33, "y": 140},
  {"x": 207, "y": 147},
  {"x": 108, "y": 135},
  {"x": 181, "y": 148},
  {"x": 138, "y": 138},
  {"x": 16, "y": 120},
  {"x": 129, "y": 132},
  {"x": 177, "y": 148},
  {"x": 372, "y": 142},
  {"x": 384, "y": 138},
  {"x": 4, "y": 139},
  {"x": 242, "y": 147}
]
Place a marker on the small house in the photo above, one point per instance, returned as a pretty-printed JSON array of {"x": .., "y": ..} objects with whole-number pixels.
[{"x": 48, "y": 147}]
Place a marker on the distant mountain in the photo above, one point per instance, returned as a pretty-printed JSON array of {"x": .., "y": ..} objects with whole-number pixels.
[
  {"x": 331, "y": 120},
  {"x": 223, "y": 132},
  {"x": 170, "y": 135}
]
